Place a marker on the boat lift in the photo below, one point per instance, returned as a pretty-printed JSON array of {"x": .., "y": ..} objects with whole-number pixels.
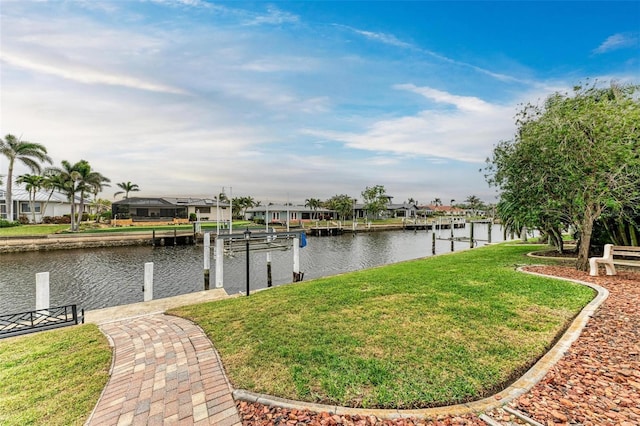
[{"x": 230, "y": 244}]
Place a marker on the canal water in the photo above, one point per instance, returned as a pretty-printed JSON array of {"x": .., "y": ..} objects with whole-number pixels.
[{"x": 104, "y": 277}]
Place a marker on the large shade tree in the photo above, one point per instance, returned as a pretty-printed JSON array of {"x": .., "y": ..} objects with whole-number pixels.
[
  {"x": 30, "y": 154},
  {"x": 573, "y": 158},
  {"x": 375, "y": 200}
]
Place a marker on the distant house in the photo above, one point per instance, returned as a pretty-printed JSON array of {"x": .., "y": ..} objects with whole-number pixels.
[
  {"x": 46, "y": 204},
  {"x": 162, "y": 209},
  {"x": 406, "y": 210},
  {"x": 443, "y": 210},
  {"x": 276, "y": 213}
]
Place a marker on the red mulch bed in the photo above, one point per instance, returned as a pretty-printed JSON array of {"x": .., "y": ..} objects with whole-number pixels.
[{"x": 596, "y": 383}]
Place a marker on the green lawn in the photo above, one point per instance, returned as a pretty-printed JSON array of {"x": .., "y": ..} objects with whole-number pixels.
[
  {"x": 31, "y": 230},
  {"x": 430, "y": 332},
  {"x": 53, "y": 377},
  {"x": 28, "y": 230}
]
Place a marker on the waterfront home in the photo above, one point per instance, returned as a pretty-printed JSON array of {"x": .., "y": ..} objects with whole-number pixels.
[
  {"x": 169, "y": 209},
  {"x": 46, "y": 204},
  {"x": 280, "y": 214},
  {"x": 406, "y": 210},
  {"x": 439, "y": 210}
]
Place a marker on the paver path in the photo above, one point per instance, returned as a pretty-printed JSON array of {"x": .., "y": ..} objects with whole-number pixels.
[{"x": 165, "y": 371}]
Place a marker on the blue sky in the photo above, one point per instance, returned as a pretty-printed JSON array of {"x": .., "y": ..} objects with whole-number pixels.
[{"x": 292, "y": 100}]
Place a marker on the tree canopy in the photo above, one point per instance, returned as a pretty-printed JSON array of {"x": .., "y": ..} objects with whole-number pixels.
[
  {"x": 375, "y": 200},
  {"x": 573, "y": 158},
  {"x": 30, "y": 154}
]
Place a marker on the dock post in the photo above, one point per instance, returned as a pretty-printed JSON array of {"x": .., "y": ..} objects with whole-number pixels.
[
  {"x": 489, "y": 232},
  {"x": 207, "y": 259},
  {"x": 471, "y": 236},
  {"x": 296, "y": 259},
  {"x": 451, "y": 227},
  {"x": 219, "y": 255},
  {"x": 433, "y": 243},
  {"x": 42, "y": 291},
  {"x": 148, "y": 281}
]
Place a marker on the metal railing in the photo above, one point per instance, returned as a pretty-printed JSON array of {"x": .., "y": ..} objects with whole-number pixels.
[{"x": 38, "y": 320}]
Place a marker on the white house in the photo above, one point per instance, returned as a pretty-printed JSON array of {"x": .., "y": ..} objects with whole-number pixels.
[
  {"x": 276, "y": 213},
  {"x": 46, "y": 204}
]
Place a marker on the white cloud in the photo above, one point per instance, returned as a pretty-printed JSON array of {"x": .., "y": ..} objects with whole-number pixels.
[
  {"x": 465, "y": 133},
  {"x": 85, "y": 75},
  {"x": 274, "y": 16},
  {"x": 618, "y": 41}
]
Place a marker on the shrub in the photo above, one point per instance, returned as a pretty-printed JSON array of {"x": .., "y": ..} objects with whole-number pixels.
[
  {"x": 23, "y": 219},
  {"x": 193, "y": 217},
  {"x": 8, "y": 223},
  {"x": 57, "y": 220}
]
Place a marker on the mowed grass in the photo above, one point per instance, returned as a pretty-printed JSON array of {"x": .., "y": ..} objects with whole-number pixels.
[
  {"x": 53, "y": 377},
  {"x": 418, "y": 334},
  {"x": 27, "y": 230},
  {"x": 40, "y": 229}
]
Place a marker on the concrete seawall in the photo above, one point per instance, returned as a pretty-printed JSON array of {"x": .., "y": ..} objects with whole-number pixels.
[{"x": 65, "y": 242}]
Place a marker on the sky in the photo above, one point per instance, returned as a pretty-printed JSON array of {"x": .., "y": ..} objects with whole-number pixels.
[{"x": 285, "y": 101}]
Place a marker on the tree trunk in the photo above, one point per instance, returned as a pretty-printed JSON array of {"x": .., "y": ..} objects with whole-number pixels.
[
  {"x": 9, "y": 198},
  {"x": 582, "y": 263},
  {"x": 73, "y": 215},
  {"x": 32, "y": 202}
]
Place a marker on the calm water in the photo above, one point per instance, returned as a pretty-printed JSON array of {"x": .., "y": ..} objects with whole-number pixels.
[{"x": 103, "y": 277}]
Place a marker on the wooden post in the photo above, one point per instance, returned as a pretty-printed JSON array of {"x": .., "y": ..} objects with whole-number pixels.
[
  {"x": 433, "y": 242},
  {"x": 148, "y": 281},
  {"x": 175, "y": 237},
  {"x": 207, "y": 259},
  {"x": 269, "y": 279},
  {"x": 219, "y": 255},
  {"x": 153, "y": 238},
  {"x": 471, "y": 236},
  {"x": 451, "y": 227}
]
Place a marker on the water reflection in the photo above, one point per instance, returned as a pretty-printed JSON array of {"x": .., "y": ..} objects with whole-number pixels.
[{"x": 103, "y": 277}]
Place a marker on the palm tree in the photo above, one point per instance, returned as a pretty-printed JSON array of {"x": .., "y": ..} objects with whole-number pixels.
[
  {"x": 71, "y": 179},
  {"x": 88, "y": 181},
  {"x": 32, "y": 183},
  {"x": 63, "y": 179},
  {"x": 28, "y": 153},
  {"x": 126, "y": 187},
  {"x": 314, "y": 204},
  {"x": 437, "y": 202}
]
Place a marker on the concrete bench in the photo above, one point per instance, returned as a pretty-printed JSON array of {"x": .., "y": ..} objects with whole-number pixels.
[{"x": 611, "y": 257}]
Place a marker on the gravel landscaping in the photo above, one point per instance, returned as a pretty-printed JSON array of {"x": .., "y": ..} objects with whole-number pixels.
[{"x": 596, "y": 383}]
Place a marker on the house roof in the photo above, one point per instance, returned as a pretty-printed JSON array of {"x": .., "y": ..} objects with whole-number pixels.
[
  {"x": 169, "y": 202},
  {"x": 19, "y": 193},
  {"x": 283, "y": 208},
  {"x": 445, "y": 209}
]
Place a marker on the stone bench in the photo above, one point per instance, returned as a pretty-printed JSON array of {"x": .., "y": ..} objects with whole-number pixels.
[{"x": 611, "y": 257}]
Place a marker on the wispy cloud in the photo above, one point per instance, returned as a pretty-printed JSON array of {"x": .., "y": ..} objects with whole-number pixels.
[
  {"x": 462, "y": 133},
  {"x": 382, "y": 38},
  {"x": 392, "y": 40},
  {"x": 274, "y": 16},
  {"x": 619, "y": 41},
  {"x": 86, "y": 75}
]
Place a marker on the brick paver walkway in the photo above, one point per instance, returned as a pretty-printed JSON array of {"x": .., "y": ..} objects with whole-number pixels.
[{"x": 165, "y": 371}]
